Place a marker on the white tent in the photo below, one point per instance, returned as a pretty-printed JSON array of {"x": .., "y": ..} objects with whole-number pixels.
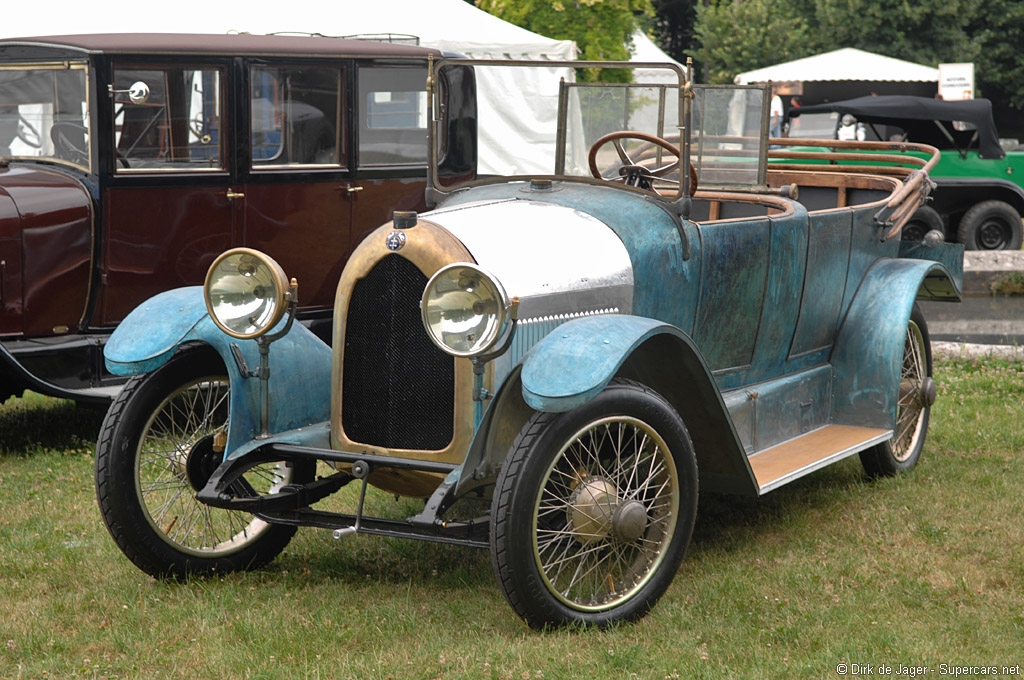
[
  {"x": 847, "y": 63},
  {"x": 452, "y": 25},
  {"x": 645, "y": 50}
]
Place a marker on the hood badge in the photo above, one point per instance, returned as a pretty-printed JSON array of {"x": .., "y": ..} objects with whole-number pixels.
[{"x": 395, "y": 240}]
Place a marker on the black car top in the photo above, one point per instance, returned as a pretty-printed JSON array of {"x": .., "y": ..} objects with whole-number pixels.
[{"x": 925, "y": 120}]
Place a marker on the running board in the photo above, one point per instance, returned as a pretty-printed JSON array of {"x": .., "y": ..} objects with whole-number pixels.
[{"x": 801, "y": 456}]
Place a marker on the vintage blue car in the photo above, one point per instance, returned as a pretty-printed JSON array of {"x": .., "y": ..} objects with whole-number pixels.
[{"x": 585, "y": 349}]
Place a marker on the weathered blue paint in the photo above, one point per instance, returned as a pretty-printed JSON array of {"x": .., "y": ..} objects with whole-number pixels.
[
  {"x": 317, "y": 435},
  {"x": 300, "y": 363},
  {"x": 950, "y": 255},
  {"x": 775, "y": 411},
  {"x": 866, "y": 247},
  {"x": 148, "y": 336},
  {"x": 736, "y": 262},
  {"x": 577, "y": 360},
  {"x": 868, "y": 352},
  {"x": 825, "y": 283},
  {"x": 787, "y": 269}
]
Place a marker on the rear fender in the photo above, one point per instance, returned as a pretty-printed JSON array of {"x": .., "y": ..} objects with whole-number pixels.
[
  {"x": 868, "y": 352},
  {"x": 300, "y": 365}
]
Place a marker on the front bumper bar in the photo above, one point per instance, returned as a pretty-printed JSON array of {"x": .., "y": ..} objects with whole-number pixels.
[{"x": 227, "y": 488}]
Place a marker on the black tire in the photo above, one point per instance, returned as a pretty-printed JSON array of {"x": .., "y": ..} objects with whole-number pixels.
[
  {"x": 916, "y": 394},
  {"x": 991, "y": 225},
  {"x": 925, "y": 219},
  {"x": 155, "y": 451},
  {"x": 569, "y": 501}
]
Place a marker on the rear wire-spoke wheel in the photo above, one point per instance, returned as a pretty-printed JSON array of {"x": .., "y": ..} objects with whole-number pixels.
[
  {"x": 156, "y": 451},
  {"x": 916, "y": 395},
  {"x": 594, "y": 509}
]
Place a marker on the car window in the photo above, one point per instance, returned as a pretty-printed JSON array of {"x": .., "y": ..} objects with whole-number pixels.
[
  {"x": 814, "y": 126},
  {"x": 167, "y": 118},
  {"x": 392, "y": 116},
  {"x": 296, "y": 116},
  {"x": 44, "y": 113}
]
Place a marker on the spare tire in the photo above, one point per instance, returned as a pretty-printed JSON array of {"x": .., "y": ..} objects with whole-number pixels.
[
  {"x": 991, "y": 225},
  {"x": 921, "y": 222}
]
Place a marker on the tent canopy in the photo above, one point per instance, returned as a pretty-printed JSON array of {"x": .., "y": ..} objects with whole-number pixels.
[
  {"x": 436, "y": 23},
  {"x": 847, "y": 63},
  {"x": 644, "y": 50}
]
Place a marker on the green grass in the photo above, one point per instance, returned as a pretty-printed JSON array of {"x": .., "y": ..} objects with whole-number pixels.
[{"x": 925, "y": 569}]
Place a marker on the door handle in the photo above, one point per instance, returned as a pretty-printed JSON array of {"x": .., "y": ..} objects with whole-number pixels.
[
  {"x": 234, "y": 194},
  {"x": 351, "y": 189}
]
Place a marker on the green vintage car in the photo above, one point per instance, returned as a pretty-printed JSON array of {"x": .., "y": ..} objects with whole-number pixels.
[{"x": 978, "y": 199}]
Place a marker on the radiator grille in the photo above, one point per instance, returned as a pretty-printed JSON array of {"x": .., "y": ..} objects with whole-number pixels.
[{"x": 397, "y": 386}]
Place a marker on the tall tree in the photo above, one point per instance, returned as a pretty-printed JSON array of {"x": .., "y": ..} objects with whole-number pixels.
[
  {"x": 672, "y": 26},
  {"x": 922, "y": 31},
  {"x": 739, "y": 36},
  {"x": 602, "y": 29},
  {"x": 998, "y": 31}
]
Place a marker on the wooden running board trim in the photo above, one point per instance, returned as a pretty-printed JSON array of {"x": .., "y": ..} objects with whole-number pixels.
[{"x": 802, "y": 455}]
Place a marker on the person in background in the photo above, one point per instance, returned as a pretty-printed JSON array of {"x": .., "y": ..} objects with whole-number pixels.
[
  {"x": 775, "y": 113},
  {"x": 791, "y": 124}
]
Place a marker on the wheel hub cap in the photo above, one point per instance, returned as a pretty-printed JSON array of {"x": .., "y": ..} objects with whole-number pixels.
[
  {"x": 630, "y": 521},
  {"x": 596, "y": 512},
  {"x": 592, "y": 509}
]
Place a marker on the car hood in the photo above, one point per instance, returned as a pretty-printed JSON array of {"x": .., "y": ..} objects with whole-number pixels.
[{"x": 555, "y": 259}]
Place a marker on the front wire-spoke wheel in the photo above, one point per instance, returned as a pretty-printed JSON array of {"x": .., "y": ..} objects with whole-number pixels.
[
  {"x": 156, "y": 451},
  {"x": 916, "y": 394},
  {"x": 594, "y": 509},
  {"x": 605, "y": 513}
]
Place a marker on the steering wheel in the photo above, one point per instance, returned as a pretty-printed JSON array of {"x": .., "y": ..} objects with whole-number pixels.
[
  {"x": 639, "y": 172},
  {"x": 28, "y": 133},
  {"x": 65, "y": 146}
]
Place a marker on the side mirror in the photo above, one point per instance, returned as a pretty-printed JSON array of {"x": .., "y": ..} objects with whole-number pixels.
[{"x": 138, "y": 93}]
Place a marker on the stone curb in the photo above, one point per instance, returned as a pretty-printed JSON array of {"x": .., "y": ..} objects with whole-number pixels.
[
  {"x": 982, "y": 268},
  {"x": 963, "y": 350}
]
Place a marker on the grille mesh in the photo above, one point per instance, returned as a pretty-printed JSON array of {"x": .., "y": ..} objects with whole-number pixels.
[{"x": 397, "y": 386}]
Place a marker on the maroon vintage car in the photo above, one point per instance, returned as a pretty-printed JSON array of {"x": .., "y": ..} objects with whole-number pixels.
[{"x": 128, "y": 162}]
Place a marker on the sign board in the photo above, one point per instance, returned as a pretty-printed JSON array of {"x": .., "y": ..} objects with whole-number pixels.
[{"x": 956, "y": 81}]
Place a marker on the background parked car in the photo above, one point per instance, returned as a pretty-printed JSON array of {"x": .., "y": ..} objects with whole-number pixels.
[
  {"x": 979, "y": 198},
  {"x": 128, "y": 162}
]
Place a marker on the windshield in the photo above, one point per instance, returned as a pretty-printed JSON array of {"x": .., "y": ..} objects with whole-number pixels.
[
  {"x": 535, "y": 120},
  {"x": 44, "y": 113}
]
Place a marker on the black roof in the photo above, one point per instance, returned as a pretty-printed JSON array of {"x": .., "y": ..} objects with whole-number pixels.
[
  {"x": 200, "y": 44},
  {"x": 918, "y": 115}
]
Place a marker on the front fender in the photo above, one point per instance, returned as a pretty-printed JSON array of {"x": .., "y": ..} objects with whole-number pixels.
[
  {"x": 576, "y": 361},
  {"x": 573, "y": 363},
  {"x": 300, "y": 364},
  {"x": 868, "y": 352},
  {"x": 149, "y": 335}
]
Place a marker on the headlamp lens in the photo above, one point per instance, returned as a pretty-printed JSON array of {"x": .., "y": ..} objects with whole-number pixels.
[
  {"x": 245, "y": 292},
  {"x": 464, "y": 310}
]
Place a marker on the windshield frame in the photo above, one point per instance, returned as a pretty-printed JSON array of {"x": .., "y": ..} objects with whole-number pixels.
[
  {"x": 89, "y": 122},
  {"x": 683, "y": 84}
]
